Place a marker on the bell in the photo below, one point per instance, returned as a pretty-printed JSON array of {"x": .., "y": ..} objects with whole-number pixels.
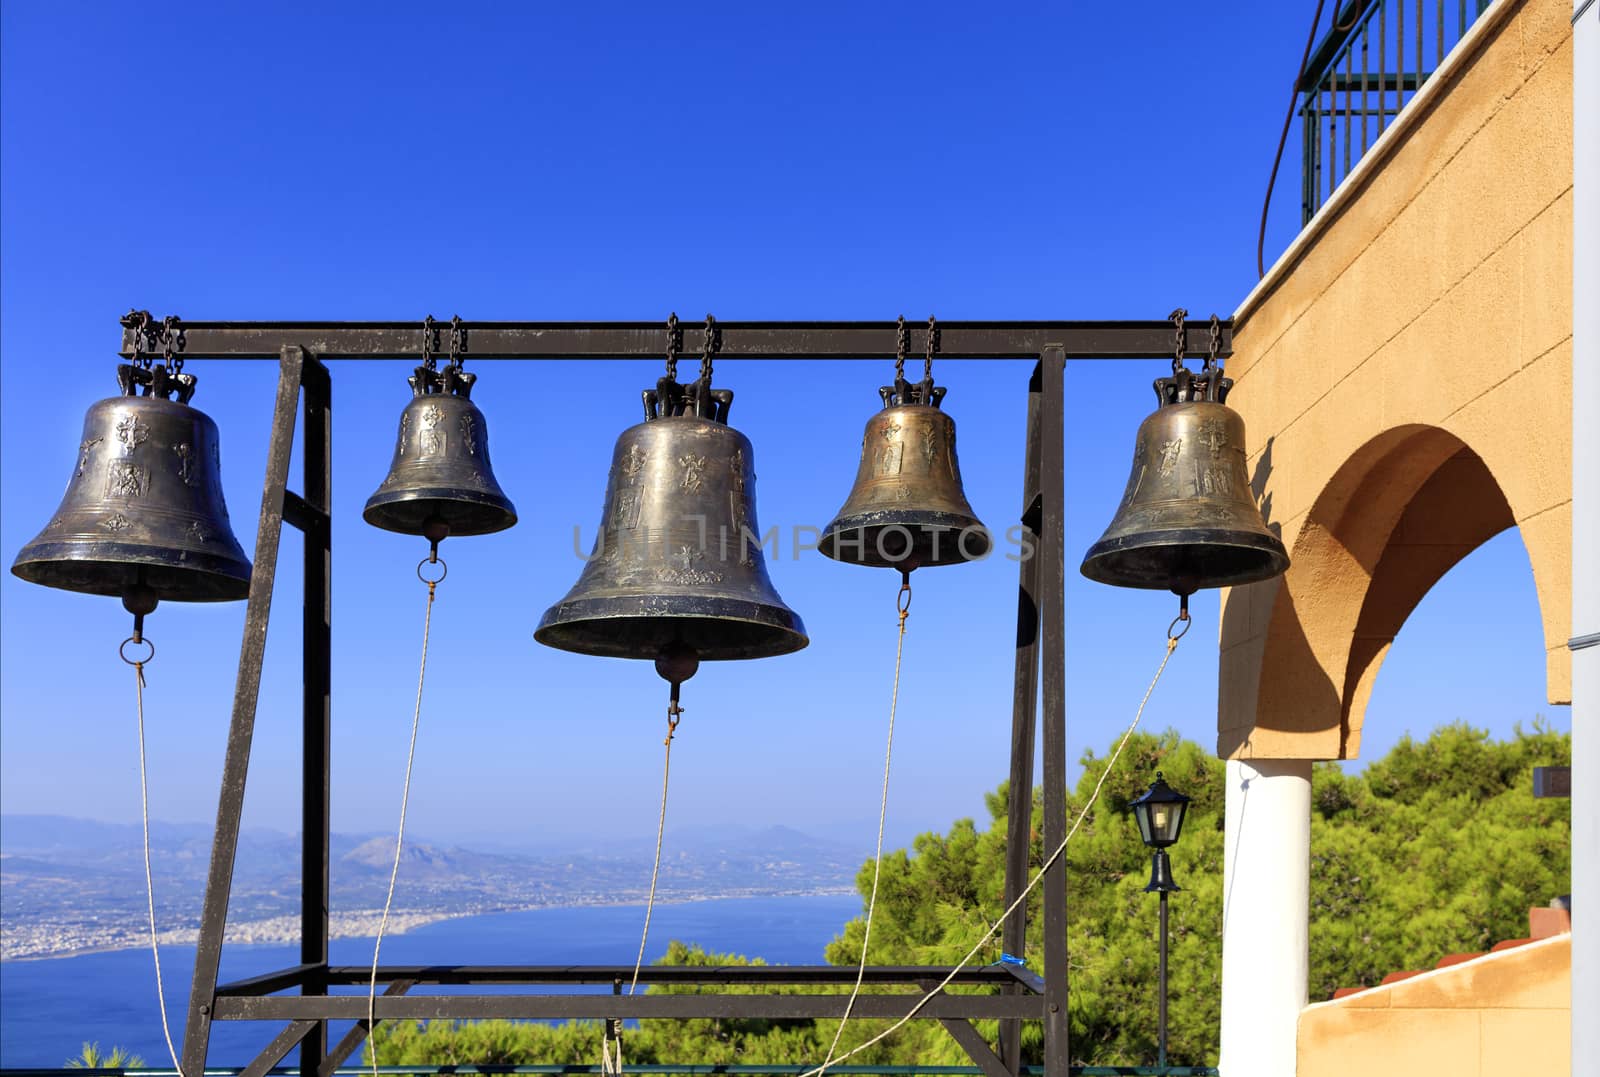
[
  {"x": 677, "y": 572},
  {"x": 440, "y": 482},
  {"x": 907, "y": 509},
  {"x": 143, "y": 516},
  {"x": 1187, "y": 518}
]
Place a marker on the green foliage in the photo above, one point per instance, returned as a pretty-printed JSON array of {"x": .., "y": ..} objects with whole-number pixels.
[
  {"x": 1438, "y": 847},
  {"x": 117, "y": 1058}
]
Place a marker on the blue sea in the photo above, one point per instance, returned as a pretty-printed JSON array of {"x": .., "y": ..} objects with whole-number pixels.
[{"x": 50, "y": 1007}]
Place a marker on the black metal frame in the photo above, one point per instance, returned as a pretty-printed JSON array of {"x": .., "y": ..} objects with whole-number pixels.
[{"x": 304, "y": 384}]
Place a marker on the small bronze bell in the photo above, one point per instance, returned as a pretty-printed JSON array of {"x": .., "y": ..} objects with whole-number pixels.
[
  {"x": 143, "y": 516},
  {"x": 907, "y": 509},
  {"x": 1187, "y": 518},
  {"x": 677, "y": 572},
  {"x": 440, "y": 481}
]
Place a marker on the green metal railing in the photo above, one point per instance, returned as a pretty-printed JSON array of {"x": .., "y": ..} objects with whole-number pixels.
[
  {"x": 642, "y": 1069},
  {"x": 1363, "y": 72}
]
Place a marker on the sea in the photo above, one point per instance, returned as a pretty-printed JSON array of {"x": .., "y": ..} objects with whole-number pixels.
[{"x": 50, "y": 1007}]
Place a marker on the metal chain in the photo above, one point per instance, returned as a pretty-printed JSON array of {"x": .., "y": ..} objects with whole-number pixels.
[
  {"x": 169, "y": 339},
  {"x": 1214, "y": 346},
  {"x": 933, "y": 346},
  {"x": 458, "y": 342},
  {"x": 710, "y": 348},
  {"x": 674, "y": 342},
  {"x": 1179, "y": 338},
  {"x": 902, "y": 344},
  {"x": 429, "y": 339},
  {"x": 139, "y": 322}
]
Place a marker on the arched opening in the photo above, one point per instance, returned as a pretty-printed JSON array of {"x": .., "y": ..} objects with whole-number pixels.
[{"x": 1404, "y": 509}]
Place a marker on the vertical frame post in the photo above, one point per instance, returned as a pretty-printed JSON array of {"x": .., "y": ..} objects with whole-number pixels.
[
  {"x": 1024, "y": 716},
  {"x": 317, "y": 667},
  {"x": 241, "y": 729},
  {"x": 1053, "y": 686}
]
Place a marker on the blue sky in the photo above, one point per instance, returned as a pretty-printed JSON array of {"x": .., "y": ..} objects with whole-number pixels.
[{"x": 543, "y": 162}]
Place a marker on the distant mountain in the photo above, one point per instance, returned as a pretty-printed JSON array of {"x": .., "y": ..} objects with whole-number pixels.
[{"x": 76, "y": 879}]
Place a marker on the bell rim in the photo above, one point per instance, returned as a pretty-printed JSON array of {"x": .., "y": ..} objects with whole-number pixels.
[
  {"x": 787, "y": 630},
  {"x": 1275, "y": 564},
  {"x": 922, "y": 521},
  {"x": 218, "y": 571},
  {"x": 372, "y": 512}
]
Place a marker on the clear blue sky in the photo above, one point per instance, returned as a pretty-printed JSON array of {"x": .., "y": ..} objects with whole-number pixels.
[{"x": 572, "y": 161}]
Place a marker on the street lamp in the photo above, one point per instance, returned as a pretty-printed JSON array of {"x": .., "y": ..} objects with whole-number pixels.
[{"x": 1159, "y": 813}]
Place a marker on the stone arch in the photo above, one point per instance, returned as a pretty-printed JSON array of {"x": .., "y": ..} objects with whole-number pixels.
[{"x": 1398, "y": 514}]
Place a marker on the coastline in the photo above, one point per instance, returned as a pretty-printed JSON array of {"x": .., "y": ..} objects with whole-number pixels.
[{"x": 281, "y": 930}]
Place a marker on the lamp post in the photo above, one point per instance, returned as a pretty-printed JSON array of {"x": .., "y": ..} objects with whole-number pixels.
[{"x": 1159, "y": 813}]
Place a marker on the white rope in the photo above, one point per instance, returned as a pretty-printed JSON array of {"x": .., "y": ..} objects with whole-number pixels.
[
  {"x": 655, "y": 868},
  {"x": 611, "y": 1064},
  {"x": 400, "y": 836},
  {"x": 877, "y": 856},
  {"x": 149, "y": 878},
  {"x": 1172, "y": 645}
]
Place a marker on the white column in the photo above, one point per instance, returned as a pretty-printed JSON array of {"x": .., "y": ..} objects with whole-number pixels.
[
  {"x": 1266, "y": 879},
  {"x": 1585, "y": 537}
]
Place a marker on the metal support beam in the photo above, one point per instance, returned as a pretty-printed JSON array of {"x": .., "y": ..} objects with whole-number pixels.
[
  {"x": 1053, "y": 684},
  {"x": 972, "y": 1042},
  {"x": 1018, "y": 994},
  {"x": 281, "y": 1045},
  {"x": 1024, "y": 717},
  {"x": 317, "y": 671},
  {"x": 977, "y": 1047},
  {"x": 355, "y": 1037},
  {"x": 268, "y": 983},
  {"x": 241, "y": 729},
  {"x": 626, "y": 1007},
  {"x": 675, "y": 975},
  {"x": 738, "y": 340}
]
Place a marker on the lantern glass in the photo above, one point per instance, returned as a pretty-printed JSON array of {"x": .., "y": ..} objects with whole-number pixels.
[{"x": 1159, "y": 813}]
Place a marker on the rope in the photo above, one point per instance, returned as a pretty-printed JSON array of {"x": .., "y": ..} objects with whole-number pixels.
[
  {"x": 1172, "y": 645},
  {"x": 611, "y": 1061},
  {"x": 149, "y": 878},
  {"x": 903, "y": 604},
  {"x": 673, "y": 712},
  {"x": 400, "y": 835}
]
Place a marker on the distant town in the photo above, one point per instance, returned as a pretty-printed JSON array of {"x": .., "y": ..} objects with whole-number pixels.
[{"x": 70, "y": 886}]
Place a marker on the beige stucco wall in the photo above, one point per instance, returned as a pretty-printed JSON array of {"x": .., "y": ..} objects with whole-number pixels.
[
  {"x": 1405, "y": 377},
  {"x": 1504, "y": 1013}
]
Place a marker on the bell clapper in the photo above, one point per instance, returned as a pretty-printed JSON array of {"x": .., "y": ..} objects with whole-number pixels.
[
  {"x": 435, "y": 530},
  {"x": 1182, "y": 618}
]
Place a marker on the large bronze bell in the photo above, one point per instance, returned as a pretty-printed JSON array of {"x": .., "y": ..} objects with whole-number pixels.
[
  {"x": 677, "y": 572},
  {"x": 143, "y": 516},
  {"x": 907, "y": 509},
  {"x": 440, "y": 481},
  {"x": 1188, "y": 519}
]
